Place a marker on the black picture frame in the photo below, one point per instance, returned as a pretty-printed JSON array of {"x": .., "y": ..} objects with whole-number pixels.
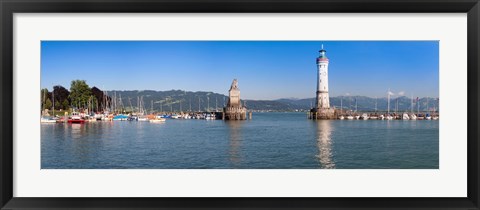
[{"x": 9, "y": 7}]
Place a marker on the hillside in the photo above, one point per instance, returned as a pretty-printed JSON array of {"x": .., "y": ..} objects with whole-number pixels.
[{"x": 176, "y": 100}]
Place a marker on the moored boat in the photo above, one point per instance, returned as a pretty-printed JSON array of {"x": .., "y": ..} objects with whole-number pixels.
[
  {"x": 45, "y": 119},
  {"x": 413, "y": 117},
  {"x": 364, "y": 116},
  {"x": 75, "y": 118},
  {"x": 143, "y": 118},
  {"x": 120, "y": 118},
  {"x": 158, "y": 120},
  {"x": 209, "y": 117},
  {"x": 428, "y": 117}
]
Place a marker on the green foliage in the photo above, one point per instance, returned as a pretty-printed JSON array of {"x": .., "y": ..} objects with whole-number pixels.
[
  {"x": 58, "y": 105},
  {"x": 60, "y": 93},
  {"x": 65, "y": 104},
  {"x": 44, "y": 95},
  {"x": 48, "y": 104},
  {"x": 79, "y": 92}
]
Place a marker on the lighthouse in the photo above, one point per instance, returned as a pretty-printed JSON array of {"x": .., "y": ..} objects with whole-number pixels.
[
  {"x": 322, "y": 108},
  {"x": 234, "y": 109},
  {"x": 323, "y": 101}
]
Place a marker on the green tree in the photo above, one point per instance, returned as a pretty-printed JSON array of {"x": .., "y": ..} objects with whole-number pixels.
[
  {"x": 60, "y": 93},
  {"x": 44, "y": 96},
  {"x": 58, "y": 105},
  {"x": 48, "y": 104},
  {"x": 65, "y": 104},
  {"x": 79, "y": 92}
]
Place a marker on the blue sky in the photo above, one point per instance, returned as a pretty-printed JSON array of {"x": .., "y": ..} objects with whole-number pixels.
[{"x": 264, "y": 69}]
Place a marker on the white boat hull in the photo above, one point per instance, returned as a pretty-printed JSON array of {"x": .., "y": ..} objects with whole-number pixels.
[
  {"x": 47, "y": 121},
  {"x": 160, "y": 120}
]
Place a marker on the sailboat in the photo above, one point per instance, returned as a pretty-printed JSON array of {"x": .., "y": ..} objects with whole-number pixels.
[
  {"x": 46, "y": 118},
  {"x": 428, "y": 117},
  {"x": 341, "y": 108},
  {"x": 388, "y": 117},
  {"x": 413, "y": 117},
  {"x": 157, "y": 120},
  {"x": 357, "y": 117},
  {"x": 365, "y": 116}
]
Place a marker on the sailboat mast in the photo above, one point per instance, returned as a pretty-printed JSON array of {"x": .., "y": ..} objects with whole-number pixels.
[
  {"x": 418, "y": 106},
  {"x": 356, "y": 105},
  {"x": 388, "y": 102},
  {"x": 115, "y": 102},
  {"x": 53, "y": 99},
  {"x": 411, "y": 105},
  {"x": 341, "y": 104},
  {"x": 350, "y": 104},
  {"x": 104, "y": 102},
  {"x": 41, "y": 100},
  {"x": 396, "y": 105},
  {"x": 130, "y": 102},
  {"x": 427, "y": 103}
]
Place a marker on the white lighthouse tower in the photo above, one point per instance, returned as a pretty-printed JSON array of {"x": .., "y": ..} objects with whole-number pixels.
[
  {"x": 322, "y": 108},
  {"x": 323, "y": 101}
]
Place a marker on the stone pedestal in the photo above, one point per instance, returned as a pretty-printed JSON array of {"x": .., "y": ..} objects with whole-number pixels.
[
  {"x": 235, "y": 113},
  {"x": 322, "y": 114}
]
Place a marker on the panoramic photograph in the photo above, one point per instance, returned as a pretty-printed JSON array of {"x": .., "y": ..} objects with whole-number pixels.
[{"x": 239, "y": 104}]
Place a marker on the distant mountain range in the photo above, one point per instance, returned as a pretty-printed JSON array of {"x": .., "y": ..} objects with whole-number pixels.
[{"x": 176, "y": 100}]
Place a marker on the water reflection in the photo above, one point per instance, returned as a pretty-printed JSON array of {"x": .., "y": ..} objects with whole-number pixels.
[
  {"x": 77, "y": 131},
  {"x": 324, "y": 143},
  {"x": 234, "y": 129},
  {"x": 80, "y": 143}
]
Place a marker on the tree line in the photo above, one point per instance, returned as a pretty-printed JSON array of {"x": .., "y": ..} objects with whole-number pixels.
[{"x": 79, "y": 96}]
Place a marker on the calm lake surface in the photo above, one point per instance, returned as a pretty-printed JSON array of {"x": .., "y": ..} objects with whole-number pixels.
[{"x": 269, "y": 140}]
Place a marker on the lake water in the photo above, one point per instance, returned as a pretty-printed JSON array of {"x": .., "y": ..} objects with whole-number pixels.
[{"x": 268, "y": 141}]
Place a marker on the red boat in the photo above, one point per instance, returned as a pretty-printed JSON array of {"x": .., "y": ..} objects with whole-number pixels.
[
  {"x": 76, "y": 121},
  {"x": 75, "y": 118}
]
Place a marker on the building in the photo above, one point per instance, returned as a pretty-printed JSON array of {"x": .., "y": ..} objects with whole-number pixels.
[
  {"x": 234, "y": 109},
  {"x": 322, "y": 108}
]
